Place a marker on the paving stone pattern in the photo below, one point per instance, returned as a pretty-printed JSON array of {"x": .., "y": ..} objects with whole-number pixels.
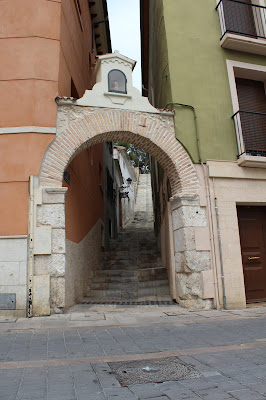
[
  {"x": 132, "y": 268},
  {"x": 235, "y": 374}
]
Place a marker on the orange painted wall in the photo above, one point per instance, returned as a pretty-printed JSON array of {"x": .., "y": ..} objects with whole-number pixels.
[
  {"x": 22, "y": 148},
  {"x": 75, "y": 46},
  {"x": 29, "y": 48},
  {"x": 84, "y": 198},
  {"x": 20, "y": 156},
  {"x": 42, "y": 48},
  {"x": 14, "y": 208}
]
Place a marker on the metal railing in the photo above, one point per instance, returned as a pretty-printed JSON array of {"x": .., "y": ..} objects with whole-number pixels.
[
  {"x": 242, "y": 18},
  {"x": 250, "y": 132}
]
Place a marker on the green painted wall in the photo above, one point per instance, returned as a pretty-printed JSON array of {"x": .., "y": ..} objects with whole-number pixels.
[
  {"x": 186, "y": 35},
  {"x": 159, "y": 77}
]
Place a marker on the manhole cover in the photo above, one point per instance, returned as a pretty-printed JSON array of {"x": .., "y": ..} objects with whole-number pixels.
[{"x": 152, "y": 371}]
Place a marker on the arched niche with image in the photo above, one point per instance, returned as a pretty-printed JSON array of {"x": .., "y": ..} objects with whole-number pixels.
[{"x": 117, "y": 81}]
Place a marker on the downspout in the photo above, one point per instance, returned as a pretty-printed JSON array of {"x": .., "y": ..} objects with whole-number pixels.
[
  {"x": 213, "y": 253},
  {"x": 30, "y": 246},
  {"x": 210, "y": 222},
  {"x": 220, "y": 248},
  {"x": 196, "y": 123}
]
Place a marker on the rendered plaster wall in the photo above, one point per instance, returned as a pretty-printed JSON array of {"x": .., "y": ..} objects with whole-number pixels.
[
  {"x": 127, "y": 172},
  {"x": 81, "y": 260},
  {"x": 76, "y": 61},
  {"x": 29, "y": 50},
  {"x": 13, "y": 272},
  {"x": 30, "y": 34},
  {"x": 159, "y": 73},
  {"x": 20, "y": 156},
  {"x": 42, "y": 47},
  {"x": 84, "y": 213},
  {"x": 233, "y": 185},
  {"x": 84, "y": 198},
  {"x": 199, "y": 77}
]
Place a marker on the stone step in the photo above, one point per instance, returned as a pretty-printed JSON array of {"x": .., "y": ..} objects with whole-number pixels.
[
  {"x": 128, "y": 293},
  {"x": 144, "y": 274},
  {"x": 135, "y": 285},
  {"x": 131, "y": 267},
  {"x": 146, "y": 300},
  {"x": 145, "y": 258},
  {"x": 131, "y": 247}
]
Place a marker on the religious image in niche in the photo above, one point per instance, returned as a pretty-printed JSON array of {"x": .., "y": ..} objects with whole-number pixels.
[{"x": 114, "y": 85}]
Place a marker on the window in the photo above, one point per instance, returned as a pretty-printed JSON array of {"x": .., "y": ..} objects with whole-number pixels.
[
  {"x": 252, "y": 110},
  {"x": 247, "y": 85},
  {"x": 117, "y": 81},
  {"x": 239, "y": 17},
  {"x": 243, "y": 25}
]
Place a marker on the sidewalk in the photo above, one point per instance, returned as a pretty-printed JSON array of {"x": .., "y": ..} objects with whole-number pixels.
[{"x": 221, "y": 354}]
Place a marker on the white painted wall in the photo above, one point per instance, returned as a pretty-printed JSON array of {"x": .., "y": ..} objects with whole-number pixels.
[
  {"x": 127, "y": 171},
  {"x": 13, "y": 272}
]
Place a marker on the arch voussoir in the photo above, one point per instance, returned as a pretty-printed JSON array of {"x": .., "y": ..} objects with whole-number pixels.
[{"x": 148, "y": 131}]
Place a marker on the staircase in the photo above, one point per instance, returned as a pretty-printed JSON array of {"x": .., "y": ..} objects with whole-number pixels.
[{"x": 132, "y": 269}]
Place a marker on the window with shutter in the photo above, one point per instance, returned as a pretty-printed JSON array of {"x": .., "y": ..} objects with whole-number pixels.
[{"x": 252, "y": 104}]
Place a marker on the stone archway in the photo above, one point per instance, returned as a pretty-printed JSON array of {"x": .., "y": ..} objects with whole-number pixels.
[
  {"x": 152, "y": 132},
  {"x": 80, "y": 127}
]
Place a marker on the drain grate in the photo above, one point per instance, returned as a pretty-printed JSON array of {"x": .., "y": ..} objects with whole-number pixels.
[
  {"x": 152, "y": 371},
  {"x": 131, "y": 303}
]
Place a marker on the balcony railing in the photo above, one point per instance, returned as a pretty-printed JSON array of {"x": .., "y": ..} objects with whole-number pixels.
[
  {"x": 250, "y": 132},
  {"x": 242, "y": 18}
]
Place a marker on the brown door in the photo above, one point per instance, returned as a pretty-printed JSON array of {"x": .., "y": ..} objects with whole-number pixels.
[{"x": 252, "y": 229}]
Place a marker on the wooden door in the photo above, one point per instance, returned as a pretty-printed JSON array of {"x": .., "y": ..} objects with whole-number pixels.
[{"x": 252, "y": 229}]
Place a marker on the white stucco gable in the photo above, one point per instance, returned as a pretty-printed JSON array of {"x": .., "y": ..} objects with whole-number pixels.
[{"x": 102, "y": 96}]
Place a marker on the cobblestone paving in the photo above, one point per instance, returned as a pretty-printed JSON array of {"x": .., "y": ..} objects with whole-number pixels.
[{"x": 71, "y": 363}]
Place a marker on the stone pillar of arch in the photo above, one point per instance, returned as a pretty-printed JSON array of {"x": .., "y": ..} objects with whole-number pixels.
[{"x": 81, "y": 127}]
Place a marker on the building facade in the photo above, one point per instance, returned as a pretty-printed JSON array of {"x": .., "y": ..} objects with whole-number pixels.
[
  {"x": 48, "y": 49},
  {"x": 127, "y": 190},
  {"x": 206, "y": 61}
]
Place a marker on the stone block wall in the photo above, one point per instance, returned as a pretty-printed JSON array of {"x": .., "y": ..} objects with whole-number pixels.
[
  {"x": 63, "y": 266},
  {"x": 81, "y": 260},
  {"x": 190, "y": 259},
  {"x": 50, "y": 262}
]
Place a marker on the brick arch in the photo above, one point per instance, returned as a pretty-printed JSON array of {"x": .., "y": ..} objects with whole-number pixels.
[{"x": 152, "y": 133}]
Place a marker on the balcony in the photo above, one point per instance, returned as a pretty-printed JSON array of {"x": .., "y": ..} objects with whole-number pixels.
[
  {"x": 243, "y": 26},
  {"x": 251, "y": 138}
]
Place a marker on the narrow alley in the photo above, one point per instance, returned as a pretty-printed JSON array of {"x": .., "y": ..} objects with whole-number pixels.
[{"x": 132, "y": 269}]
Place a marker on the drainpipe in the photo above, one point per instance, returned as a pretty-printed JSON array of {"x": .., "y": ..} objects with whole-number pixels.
[
  {"x": 213, "y": 252},
  {"x": 195, "y": 120},
  {"x": 30, "y": 246},
  {"x": 220, "y": 248},
  {"x": 210, "y": 222}
]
